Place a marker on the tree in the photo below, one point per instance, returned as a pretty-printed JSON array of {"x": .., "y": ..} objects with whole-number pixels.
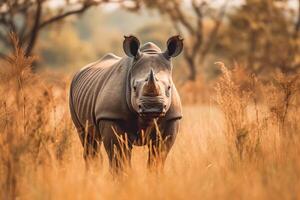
[
  {"x": 189, "y": 22},
  {"x": 266, "y": 40},
  {"x": 26, "y": 18}
]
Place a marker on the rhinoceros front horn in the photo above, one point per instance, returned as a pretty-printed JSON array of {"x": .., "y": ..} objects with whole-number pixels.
[{"x": 151, "y": 87}]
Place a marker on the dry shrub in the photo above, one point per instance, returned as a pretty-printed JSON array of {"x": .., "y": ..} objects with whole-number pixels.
[
  {"x": 256, "y": 112},
  {"x": 282, "y": 92},
  {"x": 234, "y": 99},
  {"x": 27, "y": 121}
]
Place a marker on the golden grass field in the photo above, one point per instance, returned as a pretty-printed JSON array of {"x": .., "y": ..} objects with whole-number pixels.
[{"x": 242, "y": 143}]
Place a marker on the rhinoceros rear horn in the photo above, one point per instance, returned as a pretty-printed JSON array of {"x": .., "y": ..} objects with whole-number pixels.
[
  {"x": 131, "y": 46},
  {"x": 174, "y": 46}
]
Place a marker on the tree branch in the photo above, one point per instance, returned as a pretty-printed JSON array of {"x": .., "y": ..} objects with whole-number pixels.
[
  {"x": 180, "y": 17},
  {"x": 198, "y": 37},
  {"x": 35, "y": 28},
  {"x": 213, "y": 34},
  {"x": 64, "y": 15}
]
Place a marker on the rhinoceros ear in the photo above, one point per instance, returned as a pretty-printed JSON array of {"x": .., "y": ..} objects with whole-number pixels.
[
  {"x": 174, "y": 46},
  {"x": 131, "y": 46}
]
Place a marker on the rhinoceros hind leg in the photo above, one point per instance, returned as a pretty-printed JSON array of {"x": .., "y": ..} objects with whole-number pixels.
[{"x": 91, "y": 142}]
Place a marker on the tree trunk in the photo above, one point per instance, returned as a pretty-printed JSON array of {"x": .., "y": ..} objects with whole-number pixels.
[
  {"x": 192, "y": 69},
  {"x": 35, "y": 29}
]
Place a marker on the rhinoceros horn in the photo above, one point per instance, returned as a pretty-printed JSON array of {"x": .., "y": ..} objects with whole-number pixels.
[{"x": 151, "y": 87}]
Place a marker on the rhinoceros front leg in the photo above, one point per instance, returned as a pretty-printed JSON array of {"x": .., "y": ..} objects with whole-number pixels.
[
  {"x": 160, "y": 144},
  {"x": 117, "y": 146}
]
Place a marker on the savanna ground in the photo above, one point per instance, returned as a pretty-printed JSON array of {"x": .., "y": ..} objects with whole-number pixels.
[{"x": 239, "y": 139}]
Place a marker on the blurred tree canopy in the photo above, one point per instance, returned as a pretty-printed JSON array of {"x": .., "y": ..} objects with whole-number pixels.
[
  {"x": 65, "y": 50},
  {"x": 263, "y": 35},
  {"x": 26, "y": 18}
]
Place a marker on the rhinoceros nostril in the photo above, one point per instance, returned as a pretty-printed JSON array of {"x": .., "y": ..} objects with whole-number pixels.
[
  {"x": 164, "y": 108},
  {"x": 140, "y": 107}
]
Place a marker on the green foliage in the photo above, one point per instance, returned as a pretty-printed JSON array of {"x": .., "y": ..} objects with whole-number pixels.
[{"x": 64, "y": 49}]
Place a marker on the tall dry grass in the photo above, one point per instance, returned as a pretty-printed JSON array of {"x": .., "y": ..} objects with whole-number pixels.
[{"x": 243, "y": 144}]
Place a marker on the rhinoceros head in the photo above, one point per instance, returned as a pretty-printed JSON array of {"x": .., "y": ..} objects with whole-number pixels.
[{"x": 150, "y": 81}]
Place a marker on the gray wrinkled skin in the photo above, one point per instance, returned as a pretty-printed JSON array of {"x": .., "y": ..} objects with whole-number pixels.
[{"x": 123, "y": 96}]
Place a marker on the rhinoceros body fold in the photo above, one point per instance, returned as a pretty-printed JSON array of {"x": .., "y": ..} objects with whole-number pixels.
[{"x": 100, "y": 94}]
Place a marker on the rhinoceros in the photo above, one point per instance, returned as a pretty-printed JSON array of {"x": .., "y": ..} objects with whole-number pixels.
[{"x": 128, "y": 101}]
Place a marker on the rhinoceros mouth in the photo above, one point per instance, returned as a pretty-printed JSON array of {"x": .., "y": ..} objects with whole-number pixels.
[
  {"x": 151, "y": 107},
  {"x": 152, "y": 113}
]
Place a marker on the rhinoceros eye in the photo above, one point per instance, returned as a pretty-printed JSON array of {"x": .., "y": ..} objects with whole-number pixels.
[
  {"x": 169, "y": 87},
  {"x": 134, "y": 88}
]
